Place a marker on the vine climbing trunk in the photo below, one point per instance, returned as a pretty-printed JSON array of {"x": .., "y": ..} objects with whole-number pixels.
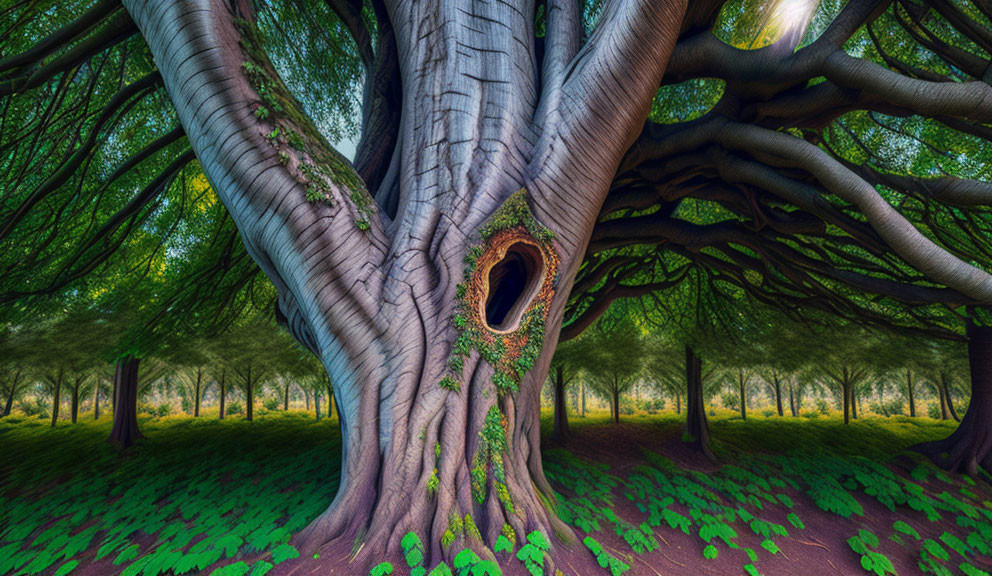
[
  {"x": 125, "y": 430},
  {"x": 969, "y": 448},
  {"x": 697, "y": 431}
]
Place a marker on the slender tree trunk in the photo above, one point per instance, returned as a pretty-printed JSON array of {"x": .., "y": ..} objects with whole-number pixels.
[
  {"x": 970, "y": 446},
  {"x": 196, "y": 393},
  {"x": 846, "y": 390},
  {"x": 778, "y": 396},
  {"x": 942, "y": 399},
  {"x": 792, "y": 401},
  {"x": 582, "y": 389},
  {"x": 678, "y": 404},
  {"x": 125, "y": 431},
  {"x": 911, "y": 393},
  {"x": 12, "y": 391},
  {"x": 616, "y": 405},
  {"x": 57, "y": 400},
  {"x": 945, "y": 383},
  {"x": 74, "y": 407},
  {"x": 306, "y": 399},
  {"x": 316, "y": 403},
  {"x": 222, "y": 385},
  {"x": 559, "y": 430},
  {"x": 743, "y": 393},
  {"x": 96, "y": 400},
  {"x": 697, "y": 431},
  {"x": 285, "y": 400},
  {"x": 854, "y": 403},
  {"x": 249, "y": 396}
]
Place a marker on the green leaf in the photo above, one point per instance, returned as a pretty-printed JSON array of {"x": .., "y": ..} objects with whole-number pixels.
[
  {"x": 906, "y": 529},
  {"x": 770, "y": 546},
  {"x": 126, "y": 555},
  {"x": 236, "y": 569},
  {"x": 284, "y": 552},
  {"x": 710, "y": 552},
  {"x": 751, "y": 570},
  {"x": 381, "y": 569},
  {"x": 66, "y": 568},
  {"x": 503, "y": 544}
]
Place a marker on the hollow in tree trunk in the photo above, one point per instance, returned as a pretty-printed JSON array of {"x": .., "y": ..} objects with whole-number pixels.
[
  {"x": 559, "y": 432},
  {"x": 697, "y": 431},
  {"x": 125, "y": 430},
  {"x": 969, "y": 448}
]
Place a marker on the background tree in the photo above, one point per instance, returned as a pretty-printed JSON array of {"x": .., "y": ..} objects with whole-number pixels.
[
  {"x": 614, "y": 360},
  {"x": 565, "y": 367}
]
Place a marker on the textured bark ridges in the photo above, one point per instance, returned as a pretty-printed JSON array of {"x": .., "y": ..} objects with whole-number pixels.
[
  {"x": 125, "y": 431},
  {"x": 969, "y": 448}
]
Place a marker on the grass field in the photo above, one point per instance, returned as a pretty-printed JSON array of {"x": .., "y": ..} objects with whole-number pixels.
[{"x": 790, "y": 496}]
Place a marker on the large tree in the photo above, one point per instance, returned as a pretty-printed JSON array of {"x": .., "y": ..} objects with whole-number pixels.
[{"x": 504, "y": 147}]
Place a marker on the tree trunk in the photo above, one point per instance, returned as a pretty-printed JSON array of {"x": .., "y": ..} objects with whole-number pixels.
[
  {"x": 196, "y": 393},
  {"x": 945, "y": 382},
  {"x": 436, "y": 310},
  {"x": 942, "y": 399},
  {"x": 854, "y": 403},
  {"x": 316, "y": 403},
  {"x": 57, "y": 400},
  {"x": 616, "y": 406},
  {"x": 74, "y": 409},
  {"x": 792, "y": 401},
  {"x": 697, "y": 431},
  {"x": 911, "y": 393},
  {"x": 285, "y": 400},
  {"x": 778, "y": 396},
  {"x": 743, "y": 393},
  {"x": 12, "y": 391},
  {"x": 678, "y": 404},
  {"x": 582, "y": 387},
  {"x": 559, "y": 430},
  {"x": 970, "y": 446},
  {"x": 306, "y": 398},
  {"x": 125, "y": 431},
  {"x": 222, "y": 385},
  {"x": 846, "y": 389},
  {"x": 96, "y": 400}
]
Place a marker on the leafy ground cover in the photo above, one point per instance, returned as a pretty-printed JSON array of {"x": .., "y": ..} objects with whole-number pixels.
[{"x": 790, "y": 496}]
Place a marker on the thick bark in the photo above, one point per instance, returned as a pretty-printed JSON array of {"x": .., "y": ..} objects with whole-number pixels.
[
  {"x": 697, "y": 432},
  {"x": 125, "y": 430},
  {"x": 429, "y": 432},
  {"x": 559, "y": 431},
  {"x": 970, "y": 446}
]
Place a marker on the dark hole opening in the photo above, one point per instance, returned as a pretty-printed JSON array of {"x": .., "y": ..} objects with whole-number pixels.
[{"x": 512, "y": 284}]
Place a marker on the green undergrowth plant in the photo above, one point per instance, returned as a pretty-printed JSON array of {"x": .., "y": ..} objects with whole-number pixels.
[{"x": 208, "y": 493}]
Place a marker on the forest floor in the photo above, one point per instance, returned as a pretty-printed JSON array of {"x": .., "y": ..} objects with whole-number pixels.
[{"x": 789, "y": 496}]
